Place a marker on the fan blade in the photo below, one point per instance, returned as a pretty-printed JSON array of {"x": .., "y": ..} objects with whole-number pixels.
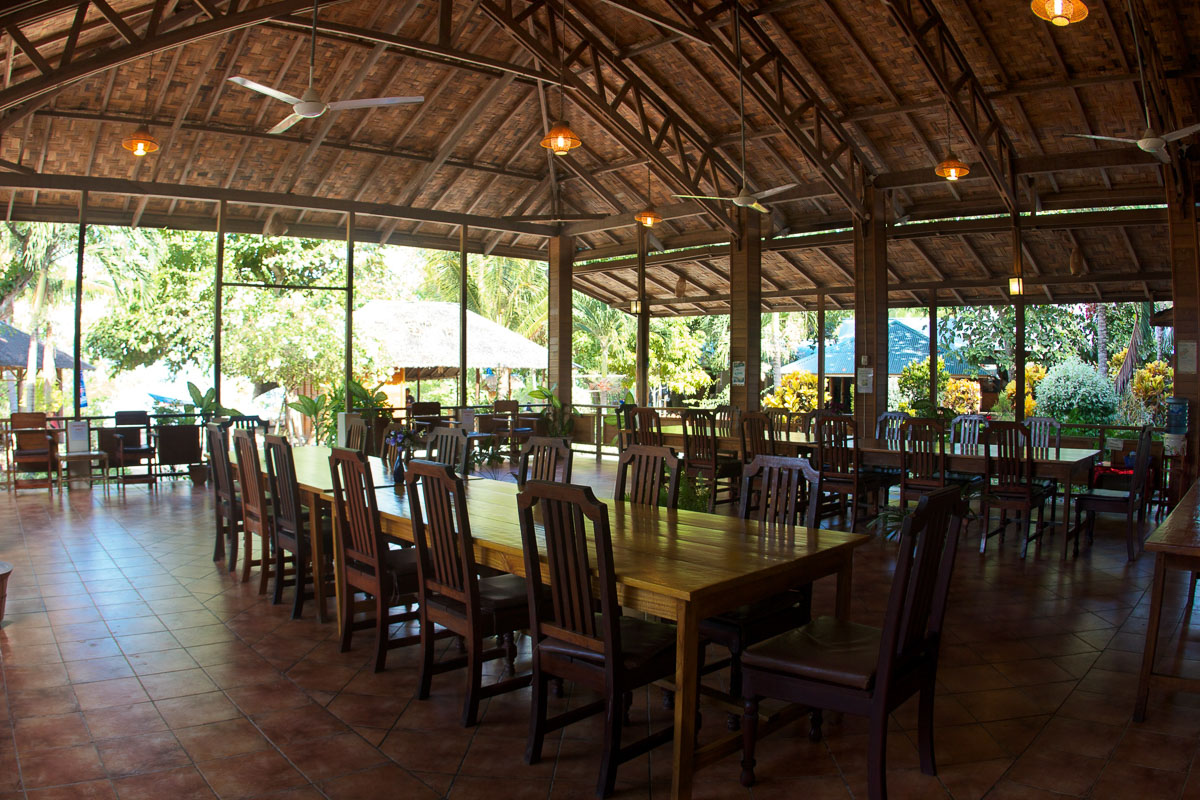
[
  {"x": 699, "y": 197},
  {"x": 1162, "y": 155},
  {"x": 1175, "y": 136},
  {"x": 759, "y": 207},
  {"x": 1102, "y": 138},
  {"x": 775, "y": 191},
  {"x": 267, "y": 90},
  {"x": 285, "y": 123},
  {"x": 373, "y": 102}
]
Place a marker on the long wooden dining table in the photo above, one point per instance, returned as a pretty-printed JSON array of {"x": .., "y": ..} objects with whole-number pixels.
[
  {"x": 1070, "y": 466},
  {"x": 678, "y": 565}
]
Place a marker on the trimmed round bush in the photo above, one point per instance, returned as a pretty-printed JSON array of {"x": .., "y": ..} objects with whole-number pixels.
[{"x": 1076, "y": 392}]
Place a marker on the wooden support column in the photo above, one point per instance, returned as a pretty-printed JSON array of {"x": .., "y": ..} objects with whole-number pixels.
[
  {"x": 218, "y": 300},
  {"x": 1018, "y": 301},
  {"x": 745, "y": 311},
  {"x": 871, "y": 309},
  {"x": 1184, "y": 240},
  {"x": 463, "y": 277},
  {"x": 348, "y": 371},
  {"x": 642, "y": 313},
  {"x": 820, "y": 401},
  {"x": 558, "y": 316},
  {"x": 80, "y": 243},
  {"x": 933, "y": 351}
]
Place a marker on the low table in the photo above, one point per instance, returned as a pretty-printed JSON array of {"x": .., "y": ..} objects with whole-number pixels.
[{"x": 88, "y": 457}]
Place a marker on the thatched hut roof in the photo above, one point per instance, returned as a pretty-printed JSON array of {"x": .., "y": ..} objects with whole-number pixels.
[{"x": 14, "y": 351}]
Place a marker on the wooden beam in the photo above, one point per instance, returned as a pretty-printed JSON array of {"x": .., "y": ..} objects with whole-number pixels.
[
  {"x": 745, "y": 312},
  {"x": 559, "y": 317},
  {"x": 1183, "y": 239},
  {"x": 870, "y": 310}
]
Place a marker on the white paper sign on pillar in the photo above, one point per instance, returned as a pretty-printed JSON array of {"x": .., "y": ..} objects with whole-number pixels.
[{"x": 865, "y": 383}]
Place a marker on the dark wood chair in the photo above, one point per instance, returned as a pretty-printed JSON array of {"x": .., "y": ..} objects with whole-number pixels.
[
  {"x": 33, "y": 446},
  {"x": 781, "y": 422},
  {"x": 649, "y": 466},
  {"x": 579, "y": 633},
  {"x": 1126, "y": 502},
  {"x": 136, "y": 445},
  {"x": 965, "y": 429},
  {"x": 426, "y": 414},
  {"x": 449, "y": 446},
  {"x": 838, "y": 465},
  {"x": 256, "y": 519},
  {"x": 1009, "y": 483},
  {"x": 450, "y": 592},
  {"x": 367, "y": 564},
  {"x": 293, "y": 534},
  {"x": 357, "y": 435},
  {"x": 922, "y": 459},
  {"x": 702, "y": 458},
  {"x": 508, "y": 427},
  {"x": 842, "y": 666},
  {"x": 248, "y": 422},
  {"x": 726, "y": 419},
  {"x": 888, "y": 424},
  {"x": 1045, "y": 434},
  {"x": 226, "y": 504},
  {"x": 758, "y": 435},
  {"x": 646, "y": 427},
  {"x": 785, "y": 486},
  {"x": 545, "y": 458}
]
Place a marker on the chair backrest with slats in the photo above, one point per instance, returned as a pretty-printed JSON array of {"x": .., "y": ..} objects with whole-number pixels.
[
  {"x": 781, "y": 422},
  {"x": 1141, "y": 464},
  {"x": 356, "y": 515},
  {"x": 442, "y": 532},
  {"x": 1045, "y": 433},
  {"x": 447, "y": 446},
  {"x": 921, "y": 581},
  {"x": 780, "y": 484},
  {"x": 726, "y": 419},
  {"x": 218, "y": 459},
  {"x": 922, "y": 454},
  {"x": 255, "y": 518},
  {"x": 285, "y": 489},
  {"x": 545, "y": 458},
  {"x": 647, "y": 427},
  {"x": 580, "y": 611},
  {"x": 640, "y": 472},
  {"x": 699, "y": 439},
  {"x": 30, "y": 431},
  {"x": 965, "y": 429},
  {"x": 356, "y": 434},
  {"x": 802, "y": 422},
  {"x": 837, "y": 448},
  {"x": 758, "y": 435},
  {"x": 1009, "y": 457},
  {"x": 887, "y": 426},
  {"x": 247, "y": 422}
]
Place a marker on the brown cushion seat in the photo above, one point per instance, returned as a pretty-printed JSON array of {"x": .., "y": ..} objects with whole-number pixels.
[
  {"x": 502, "y": 591},
  {"x": 641, "y": 641},
  {"x": 403, "y": 561},
  {"x": 826, "y": 649}
]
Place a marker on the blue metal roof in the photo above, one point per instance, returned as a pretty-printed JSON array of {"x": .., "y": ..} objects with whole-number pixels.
[{"x": 906, "y": 344}]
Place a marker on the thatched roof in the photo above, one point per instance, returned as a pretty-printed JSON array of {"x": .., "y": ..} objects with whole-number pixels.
[
  {"x": 651, "y": 87},
  {"x": 421, "y": 338},
  {"x": 14, "y": 351}
]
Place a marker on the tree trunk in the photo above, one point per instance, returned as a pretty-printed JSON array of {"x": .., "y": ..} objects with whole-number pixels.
[
  {"x": 39, "y": 298},
  {"x": 48, "y": 371},
  {"x": 1102, "y": 337},
  {"x": 776, "y": 355}
]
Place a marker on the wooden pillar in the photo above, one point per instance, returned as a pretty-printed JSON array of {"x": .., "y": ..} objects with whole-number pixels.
[
  {"x": 820, "y": 352},
  {"x": 1184, "y": 241},
  {"x": 642, "y": 313},
  {"x": 745, "y": 312},
  {"x": 558, "y": 316},
  {"x": 218, "y": 300},
  {"x": 933, "y": 351},
  {"x": 348, "y": 370},
  {"x": 1019, "y": 307},
  {"x": 463, "y": 277},
  {"x": 871, "y": 310},
  {"x": 77, "y": 366}
]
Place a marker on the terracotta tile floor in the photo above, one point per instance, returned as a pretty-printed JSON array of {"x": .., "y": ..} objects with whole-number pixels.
[{"x": 135, "y": 668}]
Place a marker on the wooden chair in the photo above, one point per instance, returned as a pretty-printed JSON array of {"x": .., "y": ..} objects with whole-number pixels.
[
  {"x": 426, "y": 414},
  {"x": 888, "y": 424},
  {"x": 966, "y": 428},
  {"x": 758, "y": 435},
  {"x": 136, "y": 448},
  {"x": 256, "y": 520},
  {"x": 356, "y": 434},
  {"x": 507, "y": 425},
  {"x": 784, "y": 485},
  {"x": 838, "y": 465},
  {"x": 545, "y": 458},
  {"x": 802, "y": 422},
  {"x": 646, "y": 428},
  {"x": 856, "y": 669},
  {"x": 781, "y": 422},
  {"x": 294, "y": 536},
  {"x": 1045, "y": 434},
  {"x": 367, "y": 564},
  {"x": 726, "y": 418},
  {"x": 1009, "y": 484},
  {"x": 702, "y": 459},
  {"x": 451, "y": 593},
  {"x": 248, "y": 422},
  {"x": 34, "y": 447},
  {"x": 579, "y": 633},
  {"x": 1115, "y": 501},
  {"x": 448, "y": 446},
  {"x": 922, "y": 459},
  {"x": 649, "y": 466},
  {"x": 226, "y": 504}
]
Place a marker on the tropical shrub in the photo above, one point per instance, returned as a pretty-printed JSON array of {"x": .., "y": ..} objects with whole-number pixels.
[
  {"x": 1074, "y": 392},
  {"x": 1115, "y": 361},
  {"x": 1153, "y": 384},
  {"x": 962, "y": 395},
  {"x": 914, "y": 381},
  {"x": 796, "y": 392},
  {"x": 1034, "y": 374}
]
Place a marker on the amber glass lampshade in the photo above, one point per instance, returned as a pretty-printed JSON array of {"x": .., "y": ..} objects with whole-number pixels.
[
  {"x": 951, "y": 168},
  {"x": 560, "y": 139},
  {"x": 1060, "y": 12},
  {"x": 648, "y": 218},
  {"x": 140, "y": 142}
]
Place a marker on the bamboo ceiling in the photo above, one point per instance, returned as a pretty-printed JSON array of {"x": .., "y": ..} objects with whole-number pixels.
[{"x": 649, "y": 86}]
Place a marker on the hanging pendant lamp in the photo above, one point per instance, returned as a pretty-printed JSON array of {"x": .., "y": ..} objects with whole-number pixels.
[
  {"x": 1060, "y": 12},
  {"x": 560, "y": 139},
  {"x": 142, "y": 141},
  {"x": 950, "y": 167},
  {"x": 648, "y": 217}
]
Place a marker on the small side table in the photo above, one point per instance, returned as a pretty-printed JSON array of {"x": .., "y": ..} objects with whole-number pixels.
[{"x": 89, "y": 457}]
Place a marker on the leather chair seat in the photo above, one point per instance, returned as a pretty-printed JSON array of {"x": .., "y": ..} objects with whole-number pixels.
[
  {"x": 1038, "y": 492},
  {"x": 1102, "y": 500},
  {"x": 733, "y": 628},
  {"x": 502, "y": 591},
  {"x": 826, "y": 649},
  {"x": 641, "y": 642},
  {"x": 403, "y": 561}
]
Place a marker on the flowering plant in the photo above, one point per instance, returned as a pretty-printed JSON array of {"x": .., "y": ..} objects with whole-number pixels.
[{"x": 405, "y": 438}]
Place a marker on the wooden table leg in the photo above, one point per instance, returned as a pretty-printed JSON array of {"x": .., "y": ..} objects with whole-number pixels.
[
  {"x": 1068, "y": 530},
  {"x": 845, "y": 576},
  {"x": 1151, "y": 646},
  {"x": 339, "y": 587},
  {"x": 317, "y": 548},
  {"x": 687, "y": 681}
]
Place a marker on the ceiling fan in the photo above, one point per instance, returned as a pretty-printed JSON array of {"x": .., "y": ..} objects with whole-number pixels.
[
  {"x": 744, "y": 198},
  {"x": 310, "y": 104},
  {"x": 1151, "y": 141}
]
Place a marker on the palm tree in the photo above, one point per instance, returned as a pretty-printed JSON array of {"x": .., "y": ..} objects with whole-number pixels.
[{"x": 607, "y": 326}]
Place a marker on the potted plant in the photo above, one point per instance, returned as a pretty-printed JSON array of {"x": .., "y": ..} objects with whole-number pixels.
[
  {"x": 316, "y": 409},
  {"x": 559, "y": 418}
]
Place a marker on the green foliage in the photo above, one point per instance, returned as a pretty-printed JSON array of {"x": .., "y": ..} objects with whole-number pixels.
[
  {"x": 205, "y": 405},
  {"x": 1152, "y": 385},
  {"x": 987, "y": 334},
  {"x": 560, "y": 419},
  {"x": 963, "y": 396},
  {"x": 1073, "y": 392},
  {"x": 797, "y": 392},
  {"x": 316, "y": 409},
  {"x": 914, "y": 381}
]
